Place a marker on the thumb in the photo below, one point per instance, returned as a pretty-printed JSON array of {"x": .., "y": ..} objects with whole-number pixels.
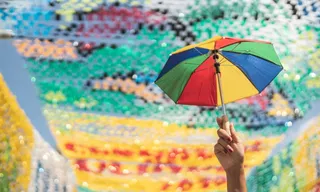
[{"x": 234, "y": 135}]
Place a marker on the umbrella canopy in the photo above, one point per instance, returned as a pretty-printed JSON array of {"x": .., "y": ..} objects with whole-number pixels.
[{"x": 246, "y": 66}]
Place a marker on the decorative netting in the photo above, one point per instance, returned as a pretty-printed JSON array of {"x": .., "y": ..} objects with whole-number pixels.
[
  {"x": 27, "y": 162},
  {"x": 94, "y": 64}
]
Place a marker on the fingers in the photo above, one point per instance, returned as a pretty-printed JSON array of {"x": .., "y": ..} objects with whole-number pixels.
[
  {"x": 219, "y": 149},
  {"x": 225, "y": 145},
  {"x": 227, "y": 134},
  {"x": 234, "y": 134},
  {"x": 226, "y": 124},
  {"x": 224, "y": 135},
  {"x": 223, "y": 123},
  {"x": 219, "y": 121}
]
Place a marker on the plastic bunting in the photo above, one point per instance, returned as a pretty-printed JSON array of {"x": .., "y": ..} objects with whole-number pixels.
[
  {"x": 94, "y": 64},
  {"x": 27, "y": 161}
]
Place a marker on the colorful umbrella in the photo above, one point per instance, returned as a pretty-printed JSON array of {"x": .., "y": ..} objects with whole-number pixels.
[{"x": 195, "y": 74}]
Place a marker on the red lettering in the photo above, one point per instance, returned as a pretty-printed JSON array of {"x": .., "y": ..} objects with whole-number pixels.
[
  {"x": 70, "y": 146},
  {"x": 182, "y": 153},
  {"x": 204, "y": 154},
  {"x": 256, "y": 146},
  {"x": 144, "y": 153},
  {"x": 172, "y": 156},
  {"x": 207, "y": 168},
  {"x": 128, "y": 153},
  {"x": 201, "y": 153},
  {"x": 185, "y": 185},
  {"x": 93, "y": 150},
  {"x": 102, "y": 167},
  {"x": 193, "y": 168},
  {"x": 105, "y": 152},
  {"x": 159, "y": 156},
  {"x": 142, "y": 168},
  {"x": 120, "y": 152},
  {"x": 185, "y": 155},
  {"x": 257, "y": 143},
  {"x": 82, "y": 165},
  {"x": 115, "y": 167},
  {"x": 220, "y": 180},
  {"x": 158, "y": 168},
  {"x": 175, "y": 168},
  {"x": 205, "y": 182},
  {"x": 165, "y": 186}
]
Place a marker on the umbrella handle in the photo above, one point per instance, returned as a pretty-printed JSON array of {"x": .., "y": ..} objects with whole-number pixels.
[
  {"x": 221, "y": 93},
  {"x": 218, "y": 72}
]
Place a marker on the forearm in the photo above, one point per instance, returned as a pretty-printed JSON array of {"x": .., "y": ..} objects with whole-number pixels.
[{"x": 236, "y": 179}]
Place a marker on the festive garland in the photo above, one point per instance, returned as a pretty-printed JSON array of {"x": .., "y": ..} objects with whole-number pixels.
[
  {"x": 17, "y": 139},
  {"x": 295, "y": 167},
  {"x": 59, "y": 49},
  {"x": 191, "y": 182},
  {"x": 82, "y": 145}
]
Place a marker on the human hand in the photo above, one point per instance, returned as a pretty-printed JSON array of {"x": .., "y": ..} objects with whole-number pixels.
[{"x": 228, "y": 149}]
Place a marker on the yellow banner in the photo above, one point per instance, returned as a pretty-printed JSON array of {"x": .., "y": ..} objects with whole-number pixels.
[
  {"x": 79, "y": 145},
  {"x": 189, "y": 182},
  {"x": 146, "y": 155},
  {"x": 17, "y": 140}
]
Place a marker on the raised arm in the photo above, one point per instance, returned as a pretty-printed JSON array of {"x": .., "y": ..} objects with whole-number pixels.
[{"x": 230, "y": 153}]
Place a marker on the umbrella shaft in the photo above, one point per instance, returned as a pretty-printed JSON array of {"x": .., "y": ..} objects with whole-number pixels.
[{"x": 221, "y": 94}]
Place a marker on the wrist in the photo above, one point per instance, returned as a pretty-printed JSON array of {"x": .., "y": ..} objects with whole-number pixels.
[
  {"x": 236, "y": 179},
  {"x": 235, "y": 170}
]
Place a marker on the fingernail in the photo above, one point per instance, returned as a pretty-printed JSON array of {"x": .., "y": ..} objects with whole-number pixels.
[{"x": 230, "y": 150}]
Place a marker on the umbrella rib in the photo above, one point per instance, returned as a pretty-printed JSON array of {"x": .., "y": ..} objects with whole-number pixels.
[
  {"x": 250, "y": 54},
  {"x": 225, "y": 60},
  {"x": 209, "y": 67},
  {"x": 231, "y": 50},
  {"x": 191, "y": 63},
  {"x": 199, "y": 51},
  {"x": 244, "y": 74},
  {"x": 240, "y": 52},
  {"x": 206, "y": 68},
  {"x": 201, "y": 69},
  {"x": 227, "y": 65}
]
